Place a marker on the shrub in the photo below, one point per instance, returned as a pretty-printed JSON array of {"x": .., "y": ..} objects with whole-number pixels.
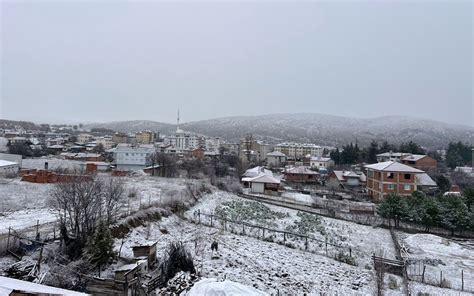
[
  {"x": 392, "y": 283},
  {"x": 177, "y": 259},
  {"x": 341, "y": 257}
]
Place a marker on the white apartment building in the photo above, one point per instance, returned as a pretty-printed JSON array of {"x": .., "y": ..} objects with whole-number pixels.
[
  {"x": 183, "y": 141},
  {"x": 212, "y": 144},
  {"x": 84, "y": 138},
  {"x": 299, "y": 150},
  {"x": 131, "y": 158}
]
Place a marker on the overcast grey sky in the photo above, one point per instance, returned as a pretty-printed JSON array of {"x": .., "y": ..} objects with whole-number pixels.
[{"x": 104, "y": 61}]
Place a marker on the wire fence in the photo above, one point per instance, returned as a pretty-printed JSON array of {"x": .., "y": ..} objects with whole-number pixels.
[{"x": 341, "y": 253}]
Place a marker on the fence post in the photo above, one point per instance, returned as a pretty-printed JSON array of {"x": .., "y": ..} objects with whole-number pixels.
[
  {"x": 211, "y": 220},
  {"x": 37, "y": 230},
  {"x": 306, "y": 244},
  {"x": 243, "y": 228},
  {"x": 199, "y": 216},
  {"x": 8, "y": 239},
  {"x": 284, "y": 236},
  {"x": 440, "y": 278},
  {"x": 263, "y": 234},
  {"x": 225, "y": 224},
  {"x": 326, "y": 245},
  {"x": 423, "y": 274},
  {"x": 350, "y": 252},
  {"x": 462, "y": 279}
]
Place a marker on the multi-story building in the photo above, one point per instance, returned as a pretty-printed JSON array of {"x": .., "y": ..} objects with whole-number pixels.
[
  {"x": 419, "y": 161},
  {"x": 120, "y": 138},
  {"x": 296, "y": 150},
  {"x": 391, "y": 156},
  {"x": 145, "y": 137},
  {"x": 231, "y": 148},
  {"x": 105, "y": 141},
  {"x": 132, "y": 157},
  {"x": 212, "y": 144},
  {"x": 250, "y": 149},
  {"x": 388, "y": 177},
  {"x": 322, "y": 163},
  {"x": 182, "y": 141},
  {"x": 84, "y": 138}
]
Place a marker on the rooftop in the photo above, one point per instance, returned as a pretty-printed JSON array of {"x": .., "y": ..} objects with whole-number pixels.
[
  {"x": 391, "y": 166},
  {"x": 7, "y": 163}
]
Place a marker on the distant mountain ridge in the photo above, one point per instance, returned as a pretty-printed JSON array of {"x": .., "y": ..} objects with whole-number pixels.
[{"x": 314, "y": 128}]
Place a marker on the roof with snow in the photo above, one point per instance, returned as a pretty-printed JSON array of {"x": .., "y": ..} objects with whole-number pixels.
[
  {"x": 301, "y": 170},
  {"x": 262, "y": 179},
  {"x": 209, "y": 287},
  {"x": 342, "y": 175},
  {"x": 391, "y": 166},
  {"x": 9, "y": 285},
  {"x": 414, "y": 157},
  {"x": 394, "y": 154},
  {"x": 277, "y": 154},
  {"x": 4, "y": 163},
  {"x": 319, "y": 158},
  {"x": 257, "y": 171},
  {"x": 425, "y": 180}
]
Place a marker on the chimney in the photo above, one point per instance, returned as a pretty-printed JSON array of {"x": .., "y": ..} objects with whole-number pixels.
[{"x": 46, "y": 165}]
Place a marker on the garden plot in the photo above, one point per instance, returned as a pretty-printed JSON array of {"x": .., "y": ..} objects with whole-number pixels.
[
  {"x": 145, "y": 191},
  {"x": 363, "y": 240},
  {"x": 266, "y": 266},
  {"x": 441, "y": 255},
  {"x": 23, "y": 219}
]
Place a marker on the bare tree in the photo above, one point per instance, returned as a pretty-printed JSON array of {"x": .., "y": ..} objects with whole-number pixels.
[
  {"x": 81, "y": 203},
  {"x": 167, "y": 164},
  {"x": 113, "y": 195}
]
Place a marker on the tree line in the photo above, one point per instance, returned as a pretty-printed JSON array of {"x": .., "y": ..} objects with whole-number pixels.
[
  {"x": 457, "y": 154},
  {"x": 452, "y": 212},
  {"x": 352, "y": 154}
]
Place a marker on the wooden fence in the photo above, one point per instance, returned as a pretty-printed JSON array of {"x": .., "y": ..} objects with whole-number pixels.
[{"x": 286, "y": 238}]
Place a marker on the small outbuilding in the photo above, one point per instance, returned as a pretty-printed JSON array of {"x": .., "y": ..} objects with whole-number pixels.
[
  {"x": 8, "y": 168},
  {"x": 262, "y": 184}
]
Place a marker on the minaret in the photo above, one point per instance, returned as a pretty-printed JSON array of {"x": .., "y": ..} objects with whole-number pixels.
[{"x": 177, "y": 128}]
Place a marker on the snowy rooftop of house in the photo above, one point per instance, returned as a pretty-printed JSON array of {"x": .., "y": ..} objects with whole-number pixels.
[
  {"x": 276, "y": 153},
  {"x": 391, "y": 166},
  {"x": 4, "y": 163},
  {"x": 425, "y": 180},
  {"x": 413, "y": 157},
  {"x": 302, "y": 145},
  {"x": 56, "y": 147},
  {"x": 262, "y": 179},
  {"x": 319, "y": 158},
  {"x": 98, "y": 163},
  {"x": 394, "y": 154},
  {"x": 127, "y": 267},
  {"x": 301, "y": 170},
  {"x": 129, "y": 148},
  {"x": 8, "y": 285},
  {"x": 257, "y": 171},
  {"x": 341, "y": 175}
]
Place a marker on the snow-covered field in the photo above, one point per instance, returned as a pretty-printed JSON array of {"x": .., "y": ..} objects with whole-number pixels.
[
  {"x": 54, "y": 163},
  {"x": 268, "y": 267},
  {"x": 441, "y": 255},
  {"x": 16, "y": 195},
  {"x": 363, "y": 240},
  {"x": 26, "y": 218}
]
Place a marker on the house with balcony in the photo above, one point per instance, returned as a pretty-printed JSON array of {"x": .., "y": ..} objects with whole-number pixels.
[{"x": 388, "y": 177}]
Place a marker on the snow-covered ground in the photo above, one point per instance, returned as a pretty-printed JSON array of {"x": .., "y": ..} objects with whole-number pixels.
[
  {"x": 54, "y": 163},
  {"x": 17, "y": 195},
  {"x": 268, "y": 267},
  {"x": 363, "y": 240},
  {"x": 23, "y": 219},
  {"x": 441, "y": 255}
]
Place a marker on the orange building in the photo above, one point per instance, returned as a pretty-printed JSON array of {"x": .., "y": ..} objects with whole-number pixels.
[
  {"x": 419, "y": 161},
  {"x": 388, "y": 177}
]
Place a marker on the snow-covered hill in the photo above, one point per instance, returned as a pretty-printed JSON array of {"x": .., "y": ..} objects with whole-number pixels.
[{"x": 316, "y": 128}]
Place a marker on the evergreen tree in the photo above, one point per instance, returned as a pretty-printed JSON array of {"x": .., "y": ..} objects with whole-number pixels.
[
  {"x": 443, "y": 183},
  {"x": 453, "y": 213},
  {"x": 468, "y": 195},
  {"x": 373, "y": 150},
  {"x": 100, "y": 246},
  {"x": 393, "y": 207},
  {"x": 411, "y": 147}
]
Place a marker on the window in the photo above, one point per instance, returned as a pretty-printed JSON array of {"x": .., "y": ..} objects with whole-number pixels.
[
  {"x": 390, "y": 175},
  {"x": 407, "y": 176},
  {"x": 407, "y": 187},
  {"x": 390, "y": 187}
]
